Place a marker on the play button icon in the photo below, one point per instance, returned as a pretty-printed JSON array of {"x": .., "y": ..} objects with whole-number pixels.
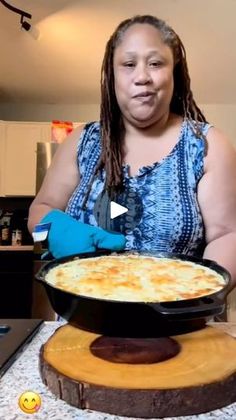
[
  {"x": 120, "y": 213},
  {"x": 116, "y": 209}
]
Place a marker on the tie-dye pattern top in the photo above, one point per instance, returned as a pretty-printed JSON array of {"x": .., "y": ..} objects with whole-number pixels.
[{"x": 171, "y": 219}]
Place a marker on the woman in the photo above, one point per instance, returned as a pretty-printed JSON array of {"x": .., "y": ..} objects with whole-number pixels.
[{"x": 152, "y": 137}]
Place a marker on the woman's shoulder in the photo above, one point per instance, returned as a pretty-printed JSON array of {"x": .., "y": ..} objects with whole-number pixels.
[
  {"x": 195, "y": 135},
  {"x": 90, "y": 128},
  {"x": 217, "y": 136},
  {"x": 193, "y": 127},
  {"x": 219, "y": 147},
  {"x": 89, "y": 136},
  {"x": 81, "y": 131}
]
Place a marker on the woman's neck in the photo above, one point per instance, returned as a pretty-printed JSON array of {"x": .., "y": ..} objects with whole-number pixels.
[{"x": 154, "y": 130}]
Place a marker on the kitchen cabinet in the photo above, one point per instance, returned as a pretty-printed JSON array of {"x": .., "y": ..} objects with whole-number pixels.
[
  {"x": 18, "y": 156},
  {"x": 16, "y": 280},
  {"x": 2, "y": 131}
]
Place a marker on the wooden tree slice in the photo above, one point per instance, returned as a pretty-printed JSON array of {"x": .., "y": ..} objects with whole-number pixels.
[{"x": 200, "y": 378}]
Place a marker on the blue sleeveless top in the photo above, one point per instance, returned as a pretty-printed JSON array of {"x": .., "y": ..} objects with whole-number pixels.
[{"x": 171, "y": 220}]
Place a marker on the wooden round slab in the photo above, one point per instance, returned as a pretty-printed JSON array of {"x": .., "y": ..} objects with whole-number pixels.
[{"x": 200, "y": 378}]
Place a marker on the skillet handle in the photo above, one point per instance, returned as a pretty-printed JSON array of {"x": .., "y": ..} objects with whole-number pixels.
[
  {"x": 40, "y": 275},
  {"x": 206, "y": 307}
]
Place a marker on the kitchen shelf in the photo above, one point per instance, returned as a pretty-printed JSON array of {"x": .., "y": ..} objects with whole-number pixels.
[{"x": 16, "y": 248}]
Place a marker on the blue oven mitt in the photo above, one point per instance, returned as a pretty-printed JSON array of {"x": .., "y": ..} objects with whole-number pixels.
[{"x": 68, "y": 236}]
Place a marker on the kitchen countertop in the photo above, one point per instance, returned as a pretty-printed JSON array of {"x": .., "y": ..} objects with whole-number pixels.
[{"x": 24, "y": 375}]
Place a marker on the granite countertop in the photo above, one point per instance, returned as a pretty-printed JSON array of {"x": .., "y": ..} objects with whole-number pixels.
[{"x": 24, "y": 375}]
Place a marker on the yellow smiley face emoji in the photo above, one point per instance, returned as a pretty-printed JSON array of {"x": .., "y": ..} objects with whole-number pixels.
[{"x": 29, "y": 402}]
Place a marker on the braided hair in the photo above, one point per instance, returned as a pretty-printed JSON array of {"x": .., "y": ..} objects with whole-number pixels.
[{"x": 111, "y": 122}]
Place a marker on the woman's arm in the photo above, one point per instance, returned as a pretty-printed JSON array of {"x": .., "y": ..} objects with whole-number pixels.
[
  {"x": 60, "y": 181},
  {"x": 217, "y": 200}
]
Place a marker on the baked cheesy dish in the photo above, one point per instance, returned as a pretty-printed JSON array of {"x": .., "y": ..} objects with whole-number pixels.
[{"x": 135, "y": 278}]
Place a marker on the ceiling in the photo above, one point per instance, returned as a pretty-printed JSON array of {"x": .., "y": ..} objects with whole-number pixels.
[{"x": 63, "y": 65}]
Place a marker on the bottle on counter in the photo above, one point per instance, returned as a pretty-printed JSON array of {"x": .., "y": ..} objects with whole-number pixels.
[
  {"x": 16, "y": 238},
  {"x": 5, "y": 234}
]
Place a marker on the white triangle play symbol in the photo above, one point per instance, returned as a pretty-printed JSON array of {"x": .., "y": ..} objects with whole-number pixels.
[{"x": 117, "y": 209}]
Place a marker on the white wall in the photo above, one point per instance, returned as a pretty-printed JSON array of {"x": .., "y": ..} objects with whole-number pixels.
[{"x": 222, "y": 116}]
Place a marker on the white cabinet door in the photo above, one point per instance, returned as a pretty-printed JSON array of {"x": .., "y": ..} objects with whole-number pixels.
[{"x": 19, "y": 165}]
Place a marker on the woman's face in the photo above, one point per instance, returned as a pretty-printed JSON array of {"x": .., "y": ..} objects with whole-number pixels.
[{"x": 143, "y": 72}]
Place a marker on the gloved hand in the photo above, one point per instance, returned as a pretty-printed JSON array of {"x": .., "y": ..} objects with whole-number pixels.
[{"x": 68, "y": 236}]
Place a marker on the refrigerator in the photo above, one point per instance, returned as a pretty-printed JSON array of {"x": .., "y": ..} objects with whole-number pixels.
[{"x": 44, "y": 156}]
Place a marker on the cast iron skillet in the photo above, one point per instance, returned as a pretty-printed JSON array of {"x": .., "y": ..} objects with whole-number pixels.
[{"x": 136, "y": 319}]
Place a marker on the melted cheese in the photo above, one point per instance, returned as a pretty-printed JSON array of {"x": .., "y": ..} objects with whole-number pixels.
[{"x": 135, "y": 278}]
